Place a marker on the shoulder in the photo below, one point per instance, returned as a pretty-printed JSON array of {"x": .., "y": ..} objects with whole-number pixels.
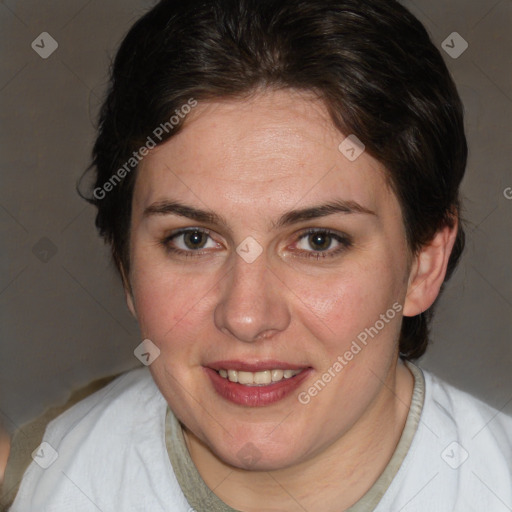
[
  {"x": 110, "y": 403},
  {"x": 105, "y": 451},
  {"x": 30, "y": 435},
  {"x": 474, "y": 444},
  {"x": 460, "y": 413},
  {"x": 460, "y": 459}
]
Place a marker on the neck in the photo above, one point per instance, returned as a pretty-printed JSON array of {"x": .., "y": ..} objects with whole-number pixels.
[{"x": 338, "y": 477}]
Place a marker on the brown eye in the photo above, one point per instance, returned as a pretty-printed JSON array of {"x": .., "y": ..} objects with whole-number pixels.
[
  {"x": 195, "y": 239},
  {"x": 190, "y": 242},
  {"x": 320, "y": 241}
]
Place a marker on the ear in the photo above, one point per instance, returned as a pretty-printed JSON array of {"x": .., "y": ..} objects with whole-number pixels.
[
  {"x": 128, "y": 292},
  {"x": 428, "y": 271}
]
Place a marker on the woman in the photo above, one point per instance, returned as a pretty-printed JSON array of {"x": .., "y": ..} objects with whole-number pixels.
[{"x": 279, "y": 182}]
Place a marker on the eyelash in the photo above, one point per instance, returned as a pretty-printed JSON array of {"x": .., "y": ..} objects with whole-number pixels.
[{"x": 344, "y": 241}]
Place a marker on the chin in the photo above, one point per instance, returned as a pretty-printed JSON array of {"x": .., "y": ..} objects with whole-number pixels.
[{"x": 252, "y": 455}]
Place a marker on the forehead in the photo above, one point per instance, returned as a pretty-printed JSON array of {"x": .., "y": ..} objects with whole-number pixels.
[{"x": 276, "y": 147}]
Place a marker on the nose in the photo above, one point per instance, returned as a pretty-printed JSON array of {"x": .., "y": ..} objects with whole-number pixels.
[{"x": 252, "y": 304}]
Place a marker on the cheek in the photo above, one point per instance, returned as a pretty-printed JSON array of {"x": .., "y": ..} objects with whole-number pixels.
[
  {"x": 338, "y": 307},
  {"x": 168, "y": 301}
]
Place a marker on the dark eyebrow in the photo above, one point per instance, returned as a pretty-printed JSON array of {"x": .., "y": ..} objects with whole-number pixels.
[
  {"x": 339, "y": 206},
  {"x": 291, "y": 217},
  {"x": 182, "y": 210}
]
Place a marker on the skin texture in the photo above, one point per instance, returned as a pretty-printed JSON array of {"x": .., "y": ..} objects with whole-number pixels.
[{"x": 250, "y": 162}]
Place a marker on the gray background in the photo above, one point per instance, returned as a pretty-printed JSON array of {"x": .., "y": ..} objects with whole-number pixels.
[{"x": 63, "y": 317}]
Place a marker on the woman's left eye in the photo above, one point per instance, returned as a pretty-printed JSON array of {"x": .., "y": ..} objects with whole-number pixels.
[{"x": 321, "y": 243}]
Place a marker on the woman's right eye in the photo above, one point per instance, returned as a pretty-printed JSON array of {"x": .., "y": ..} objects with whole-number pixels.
[{"x": 190, "y": 242}]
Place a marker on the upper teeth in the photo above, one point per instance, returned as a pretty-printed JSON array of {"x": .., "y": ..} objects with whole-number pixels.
[{"x": 257, "y": 378}]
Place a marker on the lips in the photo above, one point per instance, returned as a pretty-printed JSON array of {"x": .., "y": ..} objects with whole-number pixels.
[{"x": 255, "y": 384}]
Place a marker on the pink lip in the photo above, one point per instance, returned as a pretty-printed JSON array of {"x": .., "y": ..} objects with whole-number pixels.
[
  {"x": 255, "y": 396},
  {"x": 259, "y": 366}
]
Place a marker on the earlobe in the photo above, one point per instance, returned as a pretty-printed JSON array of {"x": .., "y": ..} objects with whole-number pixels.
[{"x": 428, "y": 271}]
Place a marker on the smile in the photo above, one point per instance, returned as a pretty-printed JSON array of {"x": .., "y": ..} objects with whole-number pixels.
[
  {"x": 262, "y": 378},
  {"x": 255, "y": 385}
]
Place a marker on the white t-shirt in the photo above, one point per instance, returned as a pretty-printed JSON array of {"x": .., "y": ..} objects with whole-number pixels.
[{"x": 111, "y": 456}]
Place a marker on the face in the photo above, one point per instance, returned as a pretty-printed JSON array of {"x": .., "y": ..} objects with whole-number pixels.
[{"x": 260, "y": 252}]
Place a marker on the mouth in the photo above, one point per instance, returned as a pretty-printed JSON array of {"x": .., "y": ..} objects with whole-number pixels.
[
  {"x": 255, "y": 385},
  {"x": 263, "y": 378}
]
